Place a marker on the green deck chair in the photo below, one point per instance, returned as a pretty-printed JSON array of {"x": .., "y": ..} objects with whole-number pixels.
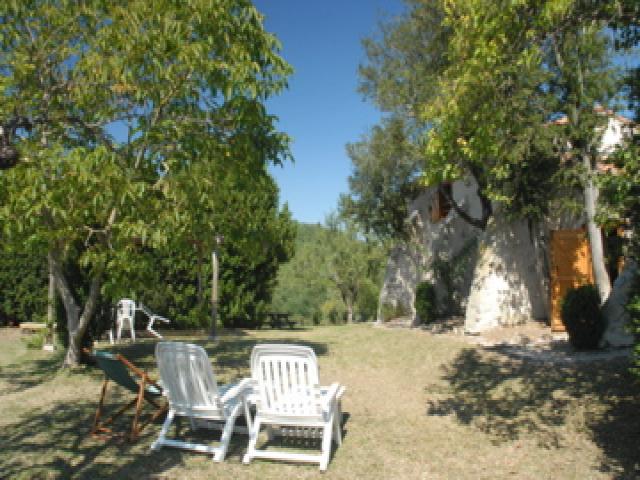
[{"x": 118, "y": 369}]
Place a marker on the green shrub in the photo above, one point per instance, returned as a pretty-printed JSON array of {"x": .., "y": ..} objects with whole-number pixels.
[
  {"x": 582, "y": 317},
  {"x": 35, "y": 341},
  {"x": 633, "y": 308},
  {"x": 425, "y": 302},
  {"x": 389, "y": 311}
]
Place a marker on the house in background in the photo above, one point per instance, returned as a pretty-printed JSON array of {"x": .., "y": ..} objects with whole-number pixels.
[{"x": 505, "y": 275}]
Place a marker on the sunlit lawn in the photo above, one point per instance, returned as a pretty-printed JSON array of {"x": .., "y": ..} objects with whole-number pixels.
[{"x": 418, "y": 406}]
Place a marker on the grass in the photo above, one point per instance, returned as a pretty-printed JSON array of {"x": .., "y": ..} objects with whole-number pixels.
[{"x": 418, "y": 406}]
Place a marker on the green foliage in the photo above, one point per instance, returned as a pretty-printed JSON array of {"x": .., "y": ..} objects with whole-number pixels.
[
  {"x": 620, "y": 195},
  {"x": 185, "y": 84},
  {"x": 386, "y": 165},
  {"x": 389, "y": 311},
  {"x": 633, "y": 308},
  {"x": 35, "y": 341},
  {"x": 302, "y": 286},
  {"x": 24, "y": 283},
  {"x": 582, "y": 317},
  {"x": 480, "y": 82},
  {"x": 331, "y": 270},
  {"x": 425, "y": 302}
]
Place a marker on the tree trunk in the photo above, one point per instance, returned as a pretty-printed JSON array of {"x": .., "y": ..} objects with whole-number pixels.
[
  {"x": 76, "y": 322},
  {"x": 200, "y": 276},
  {"x": 51, "y": 296},
  {"x": 600, "y": 273},
  {"x": 349, "y": 312}
]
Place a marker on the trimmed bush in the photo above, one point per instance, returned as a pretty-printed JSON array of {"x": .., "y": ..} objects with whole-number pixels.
[
  {"x": 582, "y": 317},
  {"x": 425, "y": 302}
]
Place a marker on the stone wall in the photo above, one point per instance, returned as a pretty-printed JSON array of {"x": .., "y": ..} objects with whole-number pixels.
[
  {"x": 412, "y": 261},
  {"x": 508, "y": 285}
]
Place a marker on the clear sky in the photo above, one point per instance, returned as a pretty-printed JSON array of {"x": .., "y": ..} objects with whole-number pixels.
[{"x": 321, "y": 110}]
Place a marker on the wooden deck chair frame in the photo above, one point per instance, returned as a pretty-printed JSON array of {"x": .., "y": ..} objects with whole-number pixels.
[
  {"x": 117, "y": 369},
  {"x": 286, "y": 393},
  {"x": 192, "y": 392}
]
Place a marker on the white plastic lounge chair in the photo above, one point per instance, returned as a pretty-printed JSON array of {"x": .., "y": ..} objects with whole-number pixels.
[
  {"x": 287, "y": 393},
  {"x": 192, "y": 391}
]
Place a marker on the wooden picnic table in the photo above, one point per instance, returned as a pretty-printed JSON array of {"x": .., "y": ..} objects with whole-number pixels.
[{"x": 32, "y": 326}]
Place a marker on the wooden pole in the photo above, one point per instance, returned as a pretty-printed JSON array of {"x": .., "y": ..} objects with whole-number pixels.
[{"x": 214, "y": 288}]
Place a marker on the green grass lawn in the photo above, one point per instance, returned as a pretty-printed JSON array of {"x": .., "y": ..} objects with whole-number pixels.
[{"x": 417, "y": 406}]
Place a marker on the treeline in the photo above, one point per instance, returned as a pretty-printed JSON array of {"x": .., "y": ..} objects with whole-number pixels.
[
  {"x": 173, "y": 282},
  {"x": 334, "y": 277}
]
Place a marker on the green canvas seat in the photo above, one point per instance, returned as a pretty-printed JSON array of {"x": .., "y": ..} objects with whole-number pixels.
[{"x": 124, "y": 373}]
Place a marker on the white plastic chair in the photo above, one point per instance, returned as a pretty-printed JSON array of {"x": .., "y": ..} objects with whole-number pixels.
[
  {"x": 287, "y": 393},
  {"x": 192, "y": 391},
  {"x": 126, "y": 313}
]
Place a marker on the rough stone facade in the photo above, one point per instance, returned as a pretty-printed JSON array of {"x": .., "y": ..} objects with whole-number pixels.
[
  {"x": 431, "y": 244},
  {"x": 506, "y": 282}
]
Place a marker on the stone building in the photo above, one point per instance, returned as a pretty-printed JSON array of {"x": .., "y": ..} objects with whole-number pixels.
[{"x": 505, "y": 275}]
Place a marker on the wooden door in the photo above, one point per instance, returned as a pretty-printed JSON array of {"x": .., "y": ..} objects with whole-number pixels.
[{"x": 570, "y": 267}]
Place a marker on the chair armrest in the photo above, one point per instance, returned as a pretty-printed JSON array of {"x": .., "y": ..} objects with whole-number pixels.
[
  {"x": 159, "y": 318},
  {"x": 331, "y": 396},
  {"x": 237, "y": 390}
]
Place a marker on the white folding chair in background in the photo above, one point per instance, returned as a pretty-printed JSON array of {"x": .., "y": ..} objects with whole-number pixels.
[
  {"x": 152, "y": 319},
  {"x": 192, "y": 392},
  {"x": 289, "y": 399},
  {"x": 126, "y": 314}
]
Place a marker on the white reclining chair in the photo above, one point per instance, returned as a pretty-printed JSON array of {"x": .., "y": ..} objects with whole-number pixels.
[
  {"x": 192, "y": 391},
  {"x": 286, "y": 393}
]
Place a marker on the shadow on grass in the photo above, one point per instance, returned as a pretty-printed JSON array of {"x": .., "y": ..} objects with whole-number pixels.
[
  {"x": 26, "y": 374},
  {"x": 507, "y": 398},
  {"x": 54, "y": 442},
  {"x": 231, "y": 351}
]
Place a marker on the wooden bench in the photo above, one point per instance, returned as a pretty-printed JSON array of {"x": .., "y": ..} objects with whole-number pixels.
[{"x": 32, "y": 327}]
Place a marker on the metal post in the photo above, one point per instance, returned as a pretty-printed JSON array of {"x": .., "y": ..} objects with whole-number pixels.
[{"x": 214, "y": 287}]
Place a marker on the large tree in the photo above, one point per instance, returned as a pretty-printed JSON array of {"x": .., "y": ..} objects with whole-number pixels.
[
  {"x": 129, "y": 102},
  {"x": 489, "y": 94},
  {"x": 386, "y": 168}
]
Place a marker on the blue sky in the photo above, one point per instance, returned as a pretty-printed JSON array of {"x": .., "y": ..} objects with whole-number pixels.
[{"x": 321, "y": 110}]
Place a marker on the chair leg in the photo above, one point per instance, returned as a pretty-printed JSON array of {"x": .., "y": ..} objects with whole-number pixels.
[
  {"x": 96, "y": 419},
  {"x": 253, "y": 438},
  {"x": 134, "y": 426},
  {"x": 133, "y": 330},
  {"x": 247, "y": 414},
  {"x": 221, "y": 451},
  {"x": 163, "y": 432},
  {"x": 337, "y": 430},
  {"x": 326, "y": 444}
]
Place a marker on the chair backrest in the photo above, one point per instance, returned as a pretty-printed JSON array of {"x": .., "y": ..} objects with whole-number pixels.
[
  {"x": 187, "y": 378},
  {"x": 286, "y": 377},
  {"x": 115, "y": 370},
  {"x": 126, "y": 308}
]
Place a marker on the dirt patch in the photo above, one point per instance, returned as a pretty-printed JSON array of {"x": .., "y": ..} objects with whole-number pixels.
[{"x": 531, "y": 341}]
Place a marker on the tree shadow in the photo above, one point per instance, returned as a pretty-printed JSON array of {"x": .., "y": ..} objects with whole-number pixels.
[
  {"x": 54, "y": 442},
  {"x": 230, "y": 353},
  {"x": 26, "y": 374},
  {"x": 508, "y": 398}
]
